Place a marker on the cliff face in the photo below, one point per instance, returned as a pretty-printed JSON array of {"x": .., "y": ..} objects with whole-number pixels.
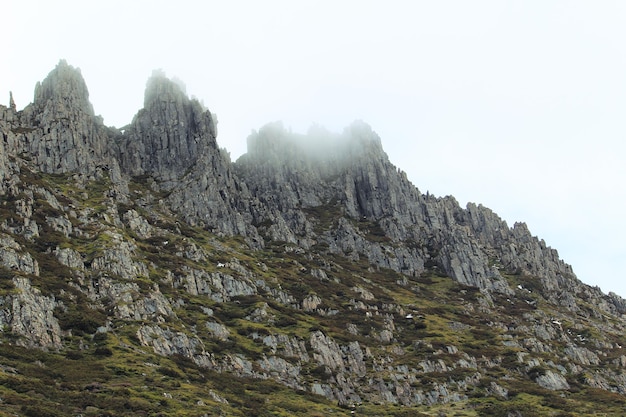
[
  {"x": 351, "y": 171},
  {"x": 311, "y": 261}
]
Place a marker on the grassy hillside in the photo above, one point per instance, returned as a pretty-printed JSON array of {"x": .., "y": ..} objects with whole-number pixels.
[{"x": 466, "y": 352}]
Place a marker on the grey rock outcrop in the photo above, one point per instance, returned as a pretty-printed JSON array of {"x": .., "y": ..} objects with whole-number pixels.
[
  {"x": 13, "y": 257},
  {"x": 70, "y": 258},
  {"x": 218, "y": 286},
  {"x": 119, "y": 259},
  {"x": 553, "y": 381},
  {"x": 217, "y": 330},
  {"x": 313, "y": 252},
  {"x": 30, "y": 315},
  {"x": 167, "y": 342}
]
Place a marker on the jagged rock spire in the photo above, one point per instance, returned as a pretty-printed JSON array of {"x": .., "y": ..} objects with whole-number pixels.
[
  {"x": 159, "y": 87},
  {"x": 59, "y": 129},
  {"x": 169, "y": 134},
  {"x": 66, "y": 88}
]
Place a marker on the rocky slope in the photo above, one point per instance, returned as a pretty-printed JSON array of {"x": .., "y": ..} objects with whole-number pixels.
[{"x": 320, "y": 270}]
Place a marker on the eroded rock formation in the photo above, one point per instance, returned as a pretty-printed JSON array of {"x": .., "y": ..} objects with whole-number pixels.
[{"x": 154, "y": 227}]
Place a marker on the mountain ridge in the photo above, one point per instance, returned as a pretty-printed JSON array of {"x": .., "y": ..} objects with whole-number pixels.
[{"x": 311, "y": 261}]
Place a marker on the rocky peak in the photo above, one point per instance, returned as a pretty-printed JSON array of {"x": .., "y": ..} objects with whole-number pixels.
[
  {"x": 11, "y": 101},
  {"x": 59, "y": 129},
  {"x": 161, "y": 88},
  {"x": 275, "y": 144},
  {"x": 169, "y": 134},
  {"x": 63, "y": 92},
  {"x": 310, "y": 163},
  {"x": 173, "y": 140},
  {"x": 363, "y": 139},
  {"x": 311, "y": 170}
]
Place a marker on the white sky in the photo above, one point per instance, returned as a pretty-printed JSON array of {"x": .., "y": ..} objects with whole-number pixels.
[{"x": 518, "y": 105}]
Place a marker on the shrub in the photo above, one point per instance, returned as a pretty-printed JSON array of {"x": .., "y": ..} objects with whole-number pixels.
[
  {"x": 171, "y": 372},
  {"x": 103, "y": 351},
  {"x": 38, "y": 411},
  {"x": 79, "y": 321}
]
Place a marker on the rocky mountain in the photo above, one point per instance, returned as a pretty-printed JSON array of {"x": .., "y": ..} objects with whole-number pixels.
[{"x": 142, "y": 272}]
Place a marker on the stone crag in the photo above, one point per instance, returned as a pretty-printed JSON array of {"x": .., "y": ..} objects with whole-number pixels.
[{"x": 312, "y": 260}]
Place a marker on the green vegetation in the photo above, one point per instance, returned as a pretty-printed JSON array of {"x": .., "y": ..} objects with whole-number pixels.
[
  {"x": 123, "y": 382},
  {"x": 442, "y": 333}
]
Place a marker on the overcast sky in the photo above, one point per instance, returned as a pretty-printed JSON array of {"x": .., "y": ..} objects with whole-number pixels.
[{"x": 517, "y": 105}]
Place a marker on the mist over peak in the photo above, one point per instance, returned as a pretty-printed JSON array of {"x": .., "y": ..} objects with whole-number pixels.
[
  {"x": 274, "y": 142},
  {"x": 159, "y": 86}
]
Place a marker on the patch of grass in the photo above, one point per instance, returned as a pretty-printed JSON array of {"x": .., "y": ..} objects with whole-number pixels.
[
  {"x": 325, "y": 215},
  {"x": 373, "y": 231},
  {"x": 80, "y": 318}
]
